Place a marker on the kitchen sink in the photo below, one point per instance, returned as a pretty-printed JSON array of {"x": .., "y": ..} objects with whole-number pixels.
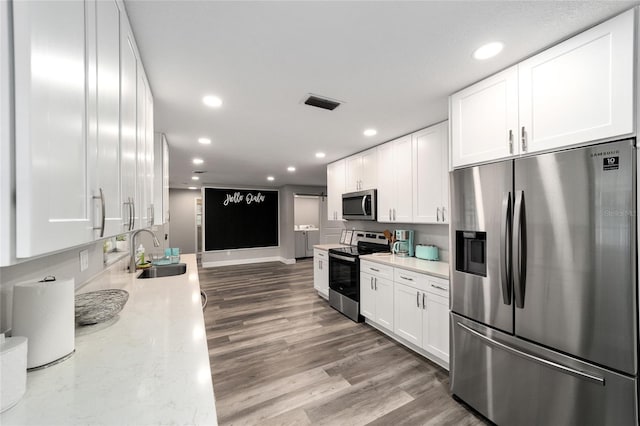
[{"x": 164, "y": 271}]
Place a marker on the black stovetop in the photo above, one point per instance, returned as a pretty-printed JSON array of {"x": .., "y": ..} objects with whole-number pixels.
[{"x": 361, "y": 249}]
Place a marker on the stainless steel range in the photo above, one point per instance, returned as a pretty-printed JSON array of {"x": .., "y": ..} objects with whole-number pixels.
[{"x": 344, "y": 272}]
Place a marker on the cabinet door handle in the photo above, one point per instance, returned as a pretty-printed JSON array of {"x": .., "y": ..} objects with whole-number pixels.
[
  {"x": 133, "y": 214},
  {"x": 389, "y": 214},
  {"x": 374, "y": 269},
  {"x": 418, "y": 299},
  {"x": 394, "y": 214},
  {"x": 375, "y": 283},
  {"x": 424, "y": 306},
  {"x": 437, "y": 214},
  {"x": 524, "y": 140},
  {"x": 130, "y": 213},
  {"x": 510, "y": 141},
  {"x": 406, "y": 278},
  {"x": 371, "y": 282},
  {"x": 320, "y": 264},
  {"x": 438, "y": 287},
  {"x": 101, "y": 227},
  {"x": 443, "y": 219}
]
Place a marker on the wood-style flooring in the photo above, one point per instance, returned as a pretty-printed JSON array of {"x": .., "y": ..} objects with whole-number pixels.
[{"x": 281, "y": 356}]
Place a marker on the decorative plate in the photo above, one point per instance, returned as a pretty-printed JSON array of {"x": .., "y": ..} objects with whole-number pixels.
[{"x": 99, "y": 306}]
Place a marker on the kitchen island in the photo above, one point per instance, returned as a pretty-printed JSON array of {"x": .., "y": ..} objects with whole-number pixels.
[{"x": 147, "y": 366}]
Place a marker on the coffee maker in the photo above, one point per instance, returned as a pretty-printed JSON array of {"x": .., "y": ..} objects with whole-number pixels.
[{"x": 404, "y": 243}]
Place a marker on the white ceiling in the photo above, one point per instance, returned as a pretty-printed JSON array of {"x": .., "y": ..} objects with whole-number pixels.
[{"x": 392, "y": 63}]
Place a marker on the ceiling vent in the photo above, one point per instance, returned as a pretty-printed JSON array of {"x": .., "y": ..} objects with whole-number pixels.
[{"x": 322, "y": 102}]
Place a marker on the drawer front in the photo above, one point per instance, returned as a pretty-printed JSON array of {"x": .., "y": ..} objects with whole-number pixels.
[
  {"x": 411, "y": 278},
  {"x": 376, "y": 269},
  {"x": 438, "y": 286},
  {"x": 320, "y": 253}
]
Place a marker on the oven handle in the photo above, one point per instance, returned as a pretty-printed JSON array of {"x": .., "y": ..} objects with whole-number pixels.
[{"x": 345, "y": 258}]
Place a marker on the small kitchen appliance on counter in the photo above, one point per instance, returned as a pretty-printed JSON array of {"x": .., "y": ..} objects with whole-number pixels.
[
  {"x": 427, "y": 252},
  {"x": 404, "y": 243}
]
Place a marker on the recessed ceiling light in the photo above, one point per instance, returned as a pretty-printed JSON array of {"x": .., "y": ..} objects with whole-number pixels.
[
  {"x": 193, "y": 187},
  {"x": 320, "y": 154},
  {"x": 212, "y": 101},
  {"x": 198, "y": 161},
  {"x": 204, "y": 141},
  {"x": 291, "y": 169},
  {"x": 370, "y": 132},
  {"x": 487, "y": 51},
  {"x": 270, "y": 178},
  {"x": 195, "y": 178}
]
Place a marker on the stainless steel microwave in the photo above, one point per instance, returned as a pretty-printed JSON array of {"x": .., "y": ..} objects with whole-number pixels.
[{"x": 359, "y": 205}]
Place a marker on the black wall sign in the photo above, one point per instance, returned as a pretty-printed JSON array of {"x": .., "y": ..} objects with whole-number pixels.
[{"x": 239, "y": 218}]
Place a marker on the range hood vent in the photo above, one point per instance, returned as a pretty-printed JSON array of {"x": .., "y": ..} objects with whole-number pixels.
[{"x": 322, "y": 102}]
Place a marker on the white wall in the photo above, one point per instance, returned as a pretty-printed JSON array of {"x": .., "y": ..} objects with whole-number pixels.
[
  {"x": 285, "y": 252},
  {"x": 182, "y": 219},
  {"x": 63, "y": 265},
  {"x": 437, "y": 235}
]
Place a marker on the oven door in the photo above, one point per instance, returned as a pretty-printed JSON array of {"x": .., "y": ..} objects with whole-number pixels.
[{"x": 344, "y": 275}]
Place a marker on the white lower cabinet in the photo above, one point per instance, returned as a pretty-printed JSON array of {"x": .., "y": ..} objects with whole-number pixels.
[
  {"x": 408, "y": 313},
  {"x": 376, "y": 299},
  {"x": 435, "y": 325},
  {"x": 321, "y": 272},
  {"x": 410, "y": 306}
]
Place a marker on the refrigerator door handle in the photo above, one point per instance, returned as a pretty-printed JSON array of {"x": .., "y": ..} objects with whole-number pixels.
[
  {"x": 505, "y": 249},
  {"x": 563, "y": 368},
  {"x": 520, "y": 250}
]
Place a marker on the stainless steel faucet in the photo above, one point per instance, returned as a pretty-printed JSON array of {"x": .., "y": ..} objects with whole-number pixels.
[{"x": 132, "y": 247}]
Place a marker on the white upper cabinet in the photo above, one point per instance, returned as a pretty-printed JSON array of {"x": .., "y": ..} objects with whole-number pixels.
[
  {"x": 149, "y": 159},
  {"x": 75, "y": 122},
  {"x": 141, "y": 211},
  {"x": 104, "y": 116},
  {"x": 128, "y": 73},
  {"x": 336, "y": 174},
  {"x": 580, "y": 90},
  {"x": 386, "y": 183},
  {"x": 395, "y": 181},
  {"x": 53, "y": 209},
  {"x": 430, "y": 175},
  {"x": 576, "y": 92},
  {"x": 484, "y": 119},
  {"x": 361, "y": 171},
  {"x": 7, "y": 181},
  {"x": 161, "y": 179}
]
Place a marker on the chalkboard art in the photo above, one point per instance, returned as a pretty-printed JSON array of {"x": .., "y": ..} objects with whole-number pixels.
[{"x": 236, "y": 219}]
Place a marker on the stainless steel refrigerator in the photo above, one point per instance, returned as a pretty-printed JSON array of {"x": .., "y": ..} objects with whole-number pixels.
[{"x": 543, "y": 287}]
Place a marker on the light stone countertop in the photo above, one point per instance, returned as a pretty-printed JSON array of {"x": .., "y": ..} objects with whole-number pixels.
[
  {"x": 430, "y": 267},
  {"x": 147, "y": 366},
  {"x": 329, "y": 246}
]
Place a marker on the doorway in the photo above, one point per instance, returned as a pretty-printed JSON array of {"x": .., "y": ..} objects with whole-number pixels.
[{"x": 307, "y": 222}]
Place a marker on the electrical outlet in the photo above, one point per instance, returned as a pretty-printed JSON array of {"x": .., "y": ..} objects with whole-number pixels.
[{"x": 84, "y": 260}]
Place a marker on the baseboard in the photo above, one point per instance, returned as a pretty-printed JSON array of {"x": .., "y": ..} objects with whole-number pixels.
[
  {"x": 248, "y": 261},
  {"x": 431, "y": 357}
]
